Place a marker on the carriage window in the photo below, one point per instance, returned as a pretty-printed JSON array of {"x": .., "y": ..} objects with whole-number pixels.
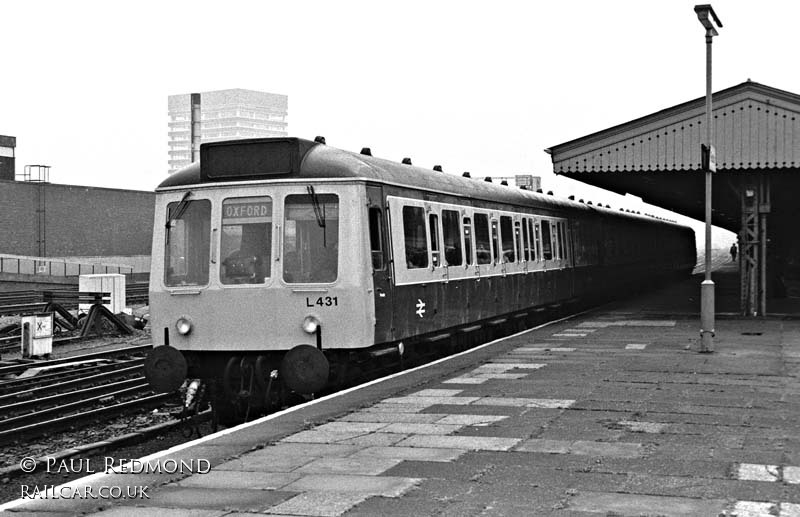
[
  {"x": 507, "y": 235},
  {"x": 482, "y": 247},
  {"x": 468, "y": 240},
  {"x": 495, "y": 242},
  {"x": 534, "y": 238},
  {"x": 564, "y": 242},
  {"x": 451, "y": 234},
  {"x": 526, "y": 243},
  {"x": 518, "y": 240},
  {"x": 415, "y": 239},
  {"x": 555, "y": 236},
  {"x": 376, "y": 238},
  {"x": 188, "y": 243},
  {"x": 246, "y": 240},
  {"x": 436, "y": 258},
  {"x": 311, "y": 238},
  {"x": 547, "y": 243},
  {"x": 538, "y": 238}
]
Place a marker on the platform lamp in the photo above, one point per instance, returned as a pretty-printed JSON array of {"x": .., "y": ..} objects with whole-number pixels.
[{"x": 707, "y": 16}]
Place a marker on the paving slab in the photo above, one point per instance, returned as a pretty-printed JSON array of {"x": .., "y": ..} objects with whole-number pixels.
[
  {"x": 224, "y": 479},
  {"x": 386, "y": 486},
  {"x": 135, "y": 511},
  {"x": 375, "y": 439},
  {"x": 635, "y": 504},
  {"x": 362, "y": 465},
  {"x": 242, "y": 500},
  {"x": 319, "y": 504},
  {"x": 460, "y": 442},
  {"x": 411, "y": 453}
]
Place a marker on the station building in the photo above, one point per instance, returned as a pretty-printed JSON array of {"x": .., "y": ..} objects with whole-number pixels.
[{"x": 757, "y": 139}]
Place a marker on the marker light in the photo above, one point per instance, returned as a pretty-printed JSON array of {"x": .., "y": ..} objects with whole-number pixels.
[
  {"x": 310, "y": 324},
  {"x": 183, "y": 325}
]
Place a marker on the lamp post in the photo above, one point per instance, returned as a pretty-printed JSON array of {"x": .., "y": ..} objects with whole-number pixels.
[{"x": 707, "y": 16}]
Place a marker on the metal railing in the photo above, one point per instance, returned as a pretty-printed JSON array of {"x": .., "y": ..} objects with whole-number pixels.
[{"x": 24, "y": 265}]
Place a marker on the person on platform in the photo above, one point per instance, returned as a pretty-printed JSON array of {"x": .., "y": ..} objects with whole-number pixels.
[{"x": 733, "y": 252}]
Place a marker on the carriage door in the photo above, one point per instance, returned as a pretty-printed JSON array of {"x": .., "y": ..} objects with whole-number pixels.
[{"x": 377, "y": 216}]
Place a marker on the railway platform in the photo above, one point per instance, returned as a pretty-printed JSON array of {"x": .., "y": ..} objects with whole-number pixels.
[{"x": 609, "y": 412}]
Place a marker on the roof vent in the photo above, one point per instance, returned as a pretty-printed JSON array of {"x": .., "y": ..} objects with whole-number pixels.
[
  {"x": 504, "y": 182},
  {"x": 572, "y": 198},
  {"x": 488, "y": 178},
  {"x": 467, "y": 175},
  {"x": 438, "y": 168},
  {"x": 538, "y": 191},
  {"x": 523, "y": 187},
  {"x": 589, "y": 203},
  {"x": 580, "y": 200},
  {"x": 549, "y": 192},
  {"x": 319, "y": 139},
  {"x": 366, "y": 151},
  {"x": 406, "y": 161}
]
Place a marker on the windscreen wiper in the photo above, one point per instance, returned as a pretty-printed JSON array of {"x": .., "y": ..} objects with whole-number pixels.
[
  {"x": 180, "y": 209},
  {"x": 319, "y": 212},
  {"x": 178, "y": 212}
]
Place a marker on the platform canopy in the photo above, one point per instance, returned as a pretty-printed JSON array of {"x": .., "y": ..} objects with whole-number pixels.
[{"x": 657, "y": 157}]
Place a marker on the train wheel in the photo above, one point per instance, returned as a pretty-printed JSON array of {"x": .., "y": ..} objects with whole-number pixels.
[
  {"x": 231, "y": 378},
  {"x": 224, "y": 410}
]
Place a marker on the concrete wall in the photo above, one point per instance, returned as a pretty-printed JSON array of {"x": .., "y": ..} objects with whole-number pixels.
[{"x": 78, "y": 221}]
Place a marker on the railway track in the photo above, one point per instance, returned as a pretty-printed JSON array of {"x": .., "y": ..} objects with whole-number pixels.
[
  {"x": 12, "y": 343},
  {"x": 45, "y": 396}
]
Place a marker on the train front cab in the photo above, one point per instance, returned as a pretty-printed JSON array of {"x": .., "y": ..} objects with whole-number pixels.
[{"x": 241, "y": 275}]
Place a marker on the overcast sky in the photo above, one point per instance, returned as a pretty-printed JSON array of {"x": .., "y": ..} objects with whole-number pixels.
[{"x": 471, "y": 85}]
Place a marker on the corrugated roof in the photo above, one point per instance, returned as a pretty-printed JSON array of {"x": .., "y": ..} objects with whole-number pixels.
[{"x": 755, "y": 127}]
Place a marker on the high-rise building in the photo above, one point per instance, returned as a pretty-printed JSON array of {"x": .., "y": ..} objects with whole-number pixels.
[{"x": 224, "y": 115}]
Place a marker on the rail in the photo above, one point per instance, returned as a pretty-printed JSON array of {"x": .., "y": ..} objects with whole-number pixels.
[
  {"x": 45, "y": 396},
  {"x": 14, "y": 369}
]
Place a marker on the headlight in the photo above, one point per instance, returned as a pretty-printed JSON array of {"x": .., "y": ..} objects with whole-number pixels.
[
  {"x": 310, "y": 324},
  {"x": 183, "y": 325}
]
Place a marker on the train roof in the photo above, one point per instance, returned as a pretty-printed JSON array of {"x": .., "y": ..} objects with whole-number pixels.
[{"x": 260, "y": 159}]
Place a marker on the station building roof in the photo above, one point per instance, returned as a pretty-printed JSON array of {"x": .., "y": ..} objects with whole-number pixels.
[{"x": 657, "y": 157}]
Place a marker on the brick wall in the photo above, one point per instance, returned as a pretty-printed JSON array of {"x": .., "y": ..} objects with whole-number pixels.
[{"x": 79, "y": 221}]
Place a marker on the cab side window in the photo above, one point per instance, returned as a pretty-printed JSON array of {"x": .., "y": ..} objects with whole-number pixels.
[{"x": 376, "y": 241}]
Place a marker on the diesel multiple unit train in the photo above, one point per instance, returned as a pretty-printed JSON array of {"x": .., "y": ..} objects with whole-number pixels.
[{"x": 282, "y": 265}]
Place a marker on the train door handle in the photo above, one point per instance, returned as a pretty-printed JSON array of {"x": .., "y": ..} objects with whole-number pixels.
[{"x": 380, "y": 292}]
